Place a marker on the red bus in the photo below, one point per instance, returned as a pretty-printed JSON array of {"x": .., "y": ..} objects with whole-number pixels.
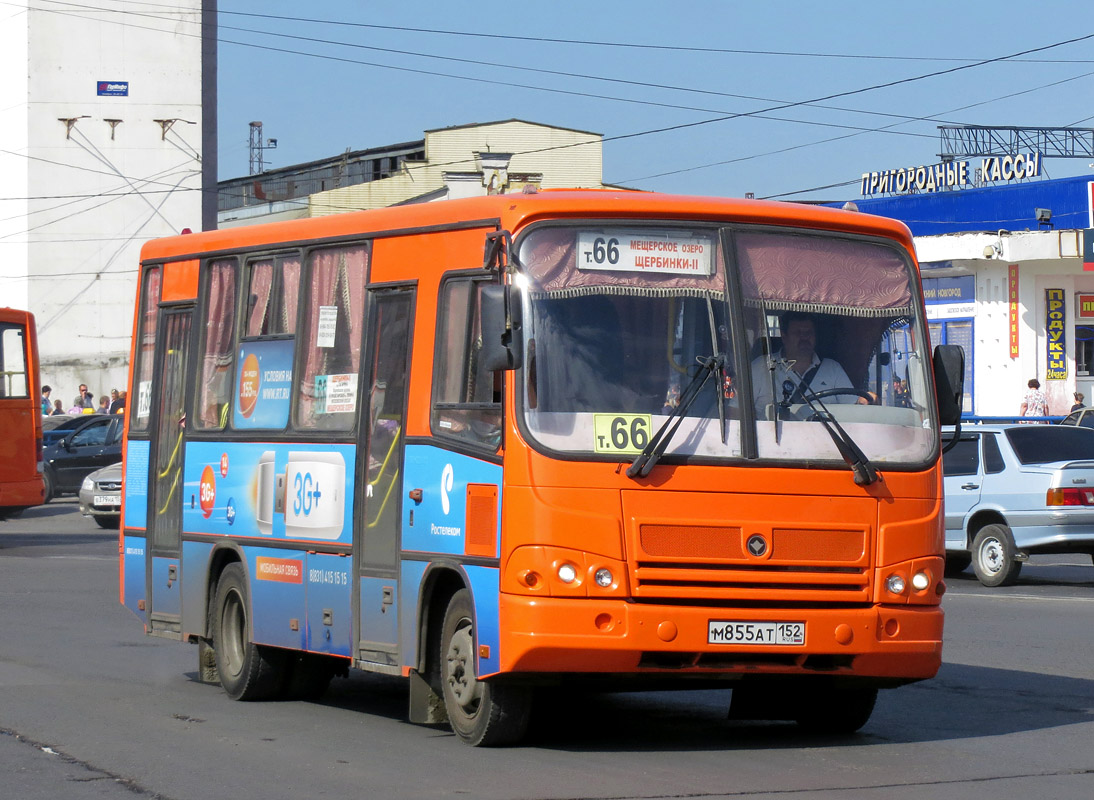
[
  {"x": 554, "y": 439},
  {"x": 20, "y": 414}
]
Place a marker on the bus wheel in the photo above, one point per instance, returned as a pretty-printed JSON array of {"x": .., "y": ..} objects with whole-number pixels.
[
  {"x": 993, "y": 554},
  {"x": 957, "y": 562},
  {"x": 247, "y": 671},
  {"x": 47, "y": 481},
  {"x": 836, "y": 710},
  {"x": 480, "y": 712}
]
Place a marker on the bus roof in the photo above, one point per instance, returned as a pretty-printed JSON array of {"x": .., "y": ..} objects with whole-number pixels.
[{"x": 513, "y": 211}]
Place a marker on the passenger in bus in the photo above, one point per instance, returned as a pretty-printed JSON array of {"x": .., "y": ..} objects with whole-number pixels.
[{"x": 798, "y": 368}]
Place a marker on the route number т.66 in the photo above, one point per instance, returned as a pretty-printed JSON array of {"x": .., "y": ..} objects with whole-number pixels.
[{"x": 620, "y": 433}]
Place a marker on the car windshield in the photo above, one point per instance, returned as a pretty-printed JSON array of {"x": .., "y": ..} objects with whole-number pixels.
[
  {"x": 623, "y": 321},
  {"x": 1045, "y": 444}
]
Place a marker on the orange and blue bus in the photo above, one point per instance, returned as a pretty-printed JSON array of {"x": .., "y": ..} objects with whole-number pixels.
[
  {"x": 550, "y": 439},
  {"x": 21, "y": 483}
]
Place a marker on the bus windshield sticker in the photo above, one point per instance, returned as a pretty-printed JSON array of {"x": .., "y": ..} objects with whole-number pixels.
[
  {"x": 620, "y": 433},
  {"x": 144, "y": 399},
  {"x": 328, "y": 324},
  {"x": 671, "y": 252},
  {"x": 341, "y": 393}
]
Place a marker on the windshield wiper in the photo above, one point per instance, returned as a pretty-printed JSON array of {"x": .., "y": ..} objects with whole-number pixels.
[
  {"x": 865, "y": 474},
  {"x": 645, "y": 461}
]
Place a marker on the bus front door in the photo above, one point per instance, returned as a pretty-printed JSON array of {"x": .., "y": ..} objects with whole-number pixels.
[
  {"x": 380, "y": 472},
  {"x": 166, "y": 478}
]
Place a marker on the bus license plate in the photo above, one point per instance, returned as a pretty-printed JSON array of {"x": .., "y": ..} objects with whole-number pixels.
[
  {"x": 733, "y": 632},
  {"x": 107, "y": 500}
]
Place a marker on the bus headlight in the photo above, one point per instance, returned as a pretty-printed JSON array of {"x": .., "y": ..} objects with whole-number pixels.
[
  {"x": 604, "y": 577},
  {"x": 895, "y": 584},
  {"x": 567, "y": 573},
  {"x": 920, "y": 581}
]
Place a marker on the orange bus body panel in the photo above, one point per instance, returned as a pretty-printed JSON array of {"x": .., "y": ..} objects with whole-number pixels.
[{"x": 21, "y": 483}]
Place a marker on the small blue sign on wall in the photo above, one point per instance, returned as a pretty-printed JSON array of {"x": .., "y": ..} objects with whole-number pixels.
[{"x": 112, "y": 88}]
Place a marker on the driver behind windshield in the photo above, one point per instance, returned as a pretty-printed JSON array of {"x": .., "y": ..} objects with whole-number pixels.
[{"x": 797, "y": 368}]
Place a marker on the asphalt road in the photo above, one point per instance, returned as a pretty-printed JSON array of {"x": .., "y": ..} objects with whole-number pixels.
[{"x": 91, "y": 708}]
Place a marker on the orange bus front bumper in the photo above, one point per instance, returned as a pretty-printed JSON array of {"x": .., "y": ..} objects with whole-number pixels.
[{"x": 560, "y": 635}]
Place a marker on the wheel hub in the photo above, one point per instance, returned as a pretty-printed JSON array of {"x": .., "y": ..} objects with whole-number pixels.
[{"x": 460, "y": 669}]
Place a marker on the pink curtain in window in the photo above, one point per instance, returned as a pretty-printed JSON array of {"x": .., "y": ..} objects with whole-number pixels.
[
  {"x": 290, "y": 282},
  {"x": 260, "y": 286},
  {"x": 823, "y": 274},
  {"x": 219, "y": 356},
  {"x": 336, "y": 278}
]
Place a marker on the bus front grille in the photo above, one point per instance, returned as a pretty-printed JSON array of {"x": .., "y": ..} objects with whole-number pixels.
[{"x": 713, "y": 564}]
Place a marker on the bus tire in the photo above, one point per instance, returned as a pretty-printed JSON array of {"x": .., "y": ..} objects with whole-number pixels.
[
  {"x": 247, "y": 671},
  {"x": 836, "y": 710},
  {"x": 47, "y": 483},
  {"x": 993, "y": 555},
  {"x": 957, "y": 562},
  {"x": 481, "y": 713},
  {"x": 309, "y": 675}
]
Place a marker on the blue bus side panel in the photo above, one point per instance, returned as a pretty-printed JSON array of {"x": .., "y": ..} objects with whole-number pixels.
[
  {"x": 134, "y": 575},
  {"x": 379, "y": 622},
  {"x": 294, "y": 491},
  {"x": 195, "y": 576},
  {"x": 442, "y": 475},
  {"x": 136, "y": 487},
  {"x": 410, "y": 590},
  {"x": 166, "y": 593},
  {"x": 329, "y": 614},
  {"x": 276, "y": 579},
  {"x": 485, "y": 591}
]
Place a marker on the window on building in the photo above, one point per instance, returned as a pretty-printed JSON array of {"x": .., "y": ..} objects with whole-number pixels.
[{"x": 1084, "y": 349}]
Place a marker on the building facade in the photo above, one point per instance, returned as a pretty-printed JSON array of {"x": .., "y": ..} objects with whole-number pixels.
[
  {"x": 107, "y": 133},
  {"x": 1008, "y": 274},
  {"x": 447, "y": 163}
]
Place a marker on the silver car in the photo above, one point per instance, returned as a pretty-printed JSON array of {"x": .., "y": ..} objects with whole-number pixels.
[
  {"x": 1015, "y": 490},
  {"x": 101, "y": 496}
]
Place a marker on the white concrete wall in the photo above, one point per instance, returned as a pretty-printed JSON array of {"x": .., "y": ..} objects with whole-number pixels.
[
  {"x": 96, "y": 199},
  {"x": 14, "y": 165}
]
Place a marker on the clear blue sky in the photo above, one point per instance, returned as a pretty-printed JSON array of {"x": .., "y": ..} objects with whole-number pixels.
[{"x": 355, "y": 97}]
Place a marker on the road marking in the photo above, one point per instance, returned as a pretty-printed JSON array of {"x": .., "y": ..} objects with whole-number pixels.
[{"x": 1034, "y": 597}]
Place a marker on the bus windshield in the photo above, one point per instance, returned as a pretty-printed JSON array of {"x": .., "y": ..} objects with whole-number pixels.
[{"x": 621, "y": 323}]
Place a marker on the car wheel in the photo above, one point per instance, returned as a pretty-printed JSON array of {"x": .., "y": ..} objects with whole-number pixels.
[
  {"x": 993, "y": 554},
  {"x": 108, "y": 521},
  {"x": 957, "y": 562}
]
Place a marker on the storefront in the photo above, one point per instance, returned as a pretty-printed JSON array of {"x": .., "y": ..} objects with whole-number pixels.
[{"x": 1004, "y": 276}]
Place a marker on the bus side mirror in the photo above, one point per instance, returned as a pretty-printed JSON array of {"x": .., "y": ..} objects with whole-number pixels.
[
  {"x": 501, "y": 328},
  {"x": 949, "y": 381}
]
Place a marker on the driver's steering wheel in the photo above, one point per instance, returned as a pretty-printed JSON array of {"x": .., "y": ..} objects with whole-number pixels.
[{"x": 849, "y": 390}]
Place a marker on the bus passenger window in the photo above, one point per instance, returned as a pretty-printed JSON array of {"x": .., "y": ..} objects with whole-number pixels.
[
  {"x": 466, "y": 397},
  {"x": 327, "y": 387},
  {"x": 273, "y": 290},
  {"x": 13, "y": 362},
  {"x": 144, "y": 349},
  {"x": 218, "y": 350}
]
